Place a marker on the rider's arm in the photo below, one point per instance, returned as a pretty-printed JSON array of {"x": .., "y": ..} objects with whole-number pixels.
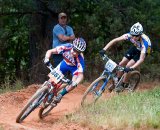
[
  {"x": 65, "y": 38},
  {"x": 112, "y": 42},
  {"x": 78, "y": 79},
  {"x": 80, "y": 67},
  {"x": 141, "y": 60},
  {"x": 50, "y": 52},
  {"x": 69, "y": 37}
]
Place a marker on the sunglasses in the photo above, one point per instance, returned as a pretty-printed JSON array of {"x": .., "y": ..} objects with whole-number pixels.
[{"x": 135, "y": 35}]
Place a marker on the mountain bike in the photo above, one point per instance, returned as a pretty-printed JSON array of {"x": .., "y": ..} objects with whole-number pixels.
[
  {"x": 44, "y": 96},
  {"x": 106, "y": 80}
]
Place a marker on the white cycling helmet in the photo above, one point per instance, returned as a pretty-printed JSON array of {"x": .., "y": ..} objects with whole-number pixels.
[
  {"x": 79, "y": 44},
  {"x": 136, "y": 29}
]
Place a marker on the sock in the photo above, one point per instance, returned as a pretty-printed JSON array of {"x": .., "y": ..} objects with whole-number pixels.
[{"x": 64, "y": 91}]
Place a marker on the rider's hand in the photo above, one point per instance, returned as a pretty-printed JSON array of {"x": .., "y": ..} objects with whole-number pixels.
[
  {"x": 74, "y": 84},
  {"x": 127, "y": 69},
  {"x": 102, "y": 52},
  {"x": 46, "y": 61}
]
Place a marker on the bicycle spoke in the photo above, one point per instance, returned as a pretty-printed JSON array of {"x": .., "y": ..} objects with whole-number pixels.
[{"x": 94, "y": 91}]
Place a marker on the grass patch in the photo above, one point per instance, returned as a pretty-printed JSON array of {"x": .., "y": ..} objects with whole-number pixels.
[
  {"x": 134, "y": 110},
  {"x": 8, "y": 86}
]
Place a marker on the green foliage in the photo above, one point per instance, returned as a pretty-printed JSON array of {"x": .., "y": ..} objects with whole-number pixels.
[
  {"x": 9, "y": 85},
  {"x": 150, "y": 69},
  {"x": 98, "y": 21},
  {"x": 135, "y": 110},
  {"x": 101, "y": 21},
  {"x": 14, "y": 38}
]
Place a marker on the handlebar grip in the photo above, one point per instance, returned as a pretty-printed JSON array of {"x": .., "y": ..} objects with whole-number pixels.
[{"x": 50, "y": 66}]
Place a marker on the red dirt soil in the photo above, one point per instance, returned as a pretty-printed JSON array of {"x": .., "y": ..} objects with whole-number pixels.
[{"x": 12, "y": 103}]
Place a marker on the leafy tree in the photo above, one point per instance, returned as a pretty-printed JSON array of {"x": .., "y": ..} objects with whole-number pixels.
[{"x": 26, "y": 31}]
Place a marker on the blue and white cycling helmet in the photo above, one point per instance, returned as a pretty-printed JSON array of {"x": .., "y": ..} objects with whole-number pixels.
[
  {"x": 79, "y": 44},
  {"x": 136, "y": 29}
]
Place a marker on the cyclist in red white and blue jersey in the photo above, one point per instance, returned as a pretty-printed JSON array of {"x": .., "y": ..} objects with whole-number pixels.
[
  {"x": 137, "y": 53},
  {"x": 73, "y": 61}
]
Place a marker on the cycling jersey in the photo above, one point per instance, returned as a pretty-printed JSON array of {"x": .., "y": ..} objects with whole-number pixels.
[
  {"x": 143, "y": 45},
  {"x": 70, "y": 63}
]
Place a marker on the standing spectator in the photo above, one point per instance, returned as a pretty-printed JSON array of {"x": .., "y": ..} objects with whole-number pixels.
[{"x": 62, "y": 33}]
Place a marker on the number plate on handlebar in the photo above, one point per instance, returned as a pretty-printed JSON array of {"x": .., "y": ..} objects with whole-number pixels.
[
  {"x": 56, "y": 75},
  {"x": 110, "y": 65}
]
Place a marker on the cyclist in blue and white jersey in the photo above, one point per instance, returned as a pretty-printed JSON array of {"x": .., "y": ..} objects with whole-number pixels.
[
  {"x": 137, "y": 53},
  {"x": 73, "y": 61}
]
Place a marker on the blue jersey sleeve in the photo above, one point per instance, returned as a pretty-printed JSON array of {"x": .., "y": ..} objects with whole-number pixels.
[{"x": 57, "y": 30}]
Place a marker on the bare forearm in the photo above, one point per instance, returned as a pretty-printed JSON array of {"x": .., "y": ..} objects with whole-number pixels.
[
  {"x": 109, "y": 44},
  {"x": 112, "y": 42},
  {"x": 137, "y": 63},
  {"x": 72, "y": 37},
  {"x": 50, "y": 52},
  {"x": 66, "y": 38},
  {"x": 140, "y": 61},
  {"x": 78, "y": 79}
]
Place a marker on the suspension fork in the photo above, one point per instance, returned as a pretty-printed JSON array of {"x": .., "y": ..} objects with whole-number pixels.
[
  {"x": 104, "y": 73},
  {"x": 105, "y": 83}
]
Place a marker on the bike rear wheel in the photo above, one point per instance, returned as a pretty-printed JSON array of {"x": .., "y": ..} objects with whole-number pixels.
[
  {"x": 133, "y": 80},
  {"x": 46, "y": 109},
  {"x": 93, "y": 92},
  {"x": 33, "y": 103},
  {"x": 43, "y": 112}
]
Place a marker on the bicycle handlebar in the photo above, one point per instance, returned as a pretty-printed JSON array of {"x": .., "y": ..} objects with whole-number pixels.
[
  {"x": 50, "y": 67},
  {"x": 106, "y": 58},
  {"x": 64, "y": 79}
]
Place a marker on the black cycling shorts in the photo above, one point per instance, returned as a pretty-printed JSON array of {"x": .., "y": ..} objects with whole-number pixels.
[{"x": 133, "y": 53}]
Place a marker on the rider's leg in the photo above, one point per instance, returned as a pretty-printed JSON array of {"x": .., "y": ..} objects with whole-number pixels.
[
  {"x": 76, "y": 79},
  {"x": 69, "y": 88},
  {"x": 126, "y": 75},
  {"x": 119, "y": 74},
  {"x": 131, "y": 56},
  {"x": 122, "y": 63},
  {"x": 134, "y": 59}
]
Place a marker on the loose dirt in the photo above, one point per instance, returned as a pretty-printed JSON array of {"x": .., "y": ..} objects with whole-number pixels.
[{"x": 12, "y": 102}]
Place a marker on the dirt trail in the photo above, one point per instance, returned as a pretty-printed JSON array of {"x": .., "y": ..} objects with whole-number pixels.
[{"x": 12, "y": 103}]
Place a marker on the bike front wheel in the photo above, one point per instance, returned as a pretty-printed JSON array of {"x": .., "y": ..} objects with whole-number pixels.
[
  {"x": 33, "y": 103},
  {"x": 94, "y": 91}
]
